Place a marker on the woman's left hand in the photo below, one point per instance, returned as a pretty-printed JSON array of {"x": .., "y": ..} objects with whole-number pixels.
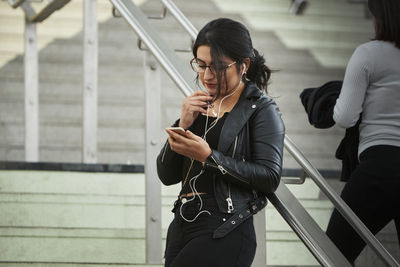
[{"x": 189, "y": 145}]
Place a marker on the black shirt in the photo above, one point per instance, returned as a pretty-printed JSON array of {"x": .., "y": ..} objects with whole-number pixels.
[{"x": 192, "y": 168}]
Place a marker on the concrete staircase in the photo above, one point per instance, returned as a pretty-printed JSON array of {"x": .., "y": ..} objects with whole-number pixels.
[
  {"x": 330, "y": 30},
  {"x": 68, "y": 219},
  {"x": 71, "y": 218},
  {"x": 121, "y": 84}
]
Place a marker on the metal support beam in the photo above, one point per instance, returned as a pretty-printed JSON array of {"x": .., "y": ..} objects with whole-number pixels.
[
  {"x": 90, "y": 68},
  {"x": 49, "y": 9},
  {"x": 15, "y": 3},
  {"x": 33, "y": 16},
  {"x": 340, "y": 205},
  {"x": 181, "y": 18},
  {"x": 260, "y": 259},
  {"x": 317, "y": 242},
  {"x": 165, "y": 55},
  {"x": 152, "y": 140},
  {"x": 31, "y": 93}
]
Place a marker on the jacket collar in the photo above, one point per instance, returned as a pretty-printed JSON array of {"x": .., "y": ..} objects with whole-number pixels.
[
  {"x": 238, "y": 116},
  {"x": 251, "y": 91}
]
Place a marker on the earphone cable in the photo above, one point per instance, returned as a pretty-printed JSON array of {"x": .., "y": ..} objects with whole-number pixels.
[
  {"x": 195, "y": 193},
  {"x": 194, "y": 178}
]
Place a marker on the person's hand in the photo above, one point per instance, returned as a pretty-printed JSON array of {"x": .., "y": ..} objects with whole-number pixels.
[
  {"x": 189, "y": 145},
  {"x": 192, "y": 105}
]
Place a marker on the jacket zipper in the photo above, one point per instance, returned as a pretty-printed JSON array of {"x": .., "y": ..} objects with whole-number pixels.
[
  {"x": 165, "y": 150},
  {"x": 224, "y": 171},
  {"x": 229, "y": 198},
  {"x": 234, "y": 147}
]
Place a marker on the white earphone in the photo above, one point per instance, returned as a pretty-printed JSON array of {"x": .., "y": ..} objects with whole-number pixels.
[{"x": 244, "y": 69}]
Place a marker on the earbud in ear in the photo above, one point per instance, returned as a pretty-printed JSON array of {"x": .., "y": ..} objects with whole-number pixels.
[{"x": 244, "y": 69}]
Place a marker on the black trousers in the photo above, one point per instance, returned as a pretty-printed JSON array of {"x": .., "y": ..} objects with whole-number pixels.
[
  {"x": 373, "y": 193},
  {"x": 191, "y": 243}
]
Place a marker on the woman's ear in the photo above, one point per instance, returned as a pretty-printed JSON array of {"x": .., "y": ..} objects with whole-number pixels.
[{"x": 246, "y": 64}]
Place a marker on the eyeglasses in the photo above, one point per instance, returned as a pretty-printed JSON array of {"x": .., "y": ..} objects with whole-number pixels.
[{"x": 200, "y": 66}]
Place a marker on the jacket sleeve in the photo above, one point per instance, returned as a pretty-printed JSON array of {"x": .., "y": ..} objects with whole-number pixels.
[
  {"x": 263, "y": 169},
  {"x": 169, "y": 164}
]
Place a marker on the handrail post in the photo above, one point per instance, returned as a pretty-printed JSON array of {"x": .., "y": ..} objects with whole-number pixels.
[
  {"x": 152, "y": 74},
  {"x": 260, "y": 259},
  {"x": 31, "y": 65},
  {"x": 90, "y": 72}
]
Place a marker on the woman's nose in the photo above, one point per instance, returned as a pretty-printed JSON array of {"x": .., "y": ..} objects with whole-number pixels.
[{"x": 208, "y": 74}]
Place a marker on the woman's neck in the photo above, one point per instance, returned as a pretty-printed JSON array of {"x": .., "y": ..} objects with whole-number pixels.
[{"x": 228, "y": 102}]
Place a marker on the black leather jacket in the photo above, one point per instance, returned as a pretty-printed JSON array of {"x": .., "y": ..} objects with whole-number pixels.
[{"x": 248, "y": 162}]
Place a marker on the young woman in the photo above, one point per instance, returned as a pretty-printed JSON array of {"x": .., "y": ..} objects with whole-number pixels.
[
  {"x": 371, "y": 90},
  {"x": 228, "y": 156}
]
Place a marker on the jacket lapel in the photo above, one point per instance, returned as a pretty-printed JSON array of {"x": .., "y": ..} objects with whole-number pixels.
[{"x": 238, "y": 117}]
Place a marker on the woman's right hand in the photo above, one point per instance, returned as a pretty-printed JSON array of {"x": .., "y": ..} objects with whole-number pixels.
[{"x": 192, "y": 105}]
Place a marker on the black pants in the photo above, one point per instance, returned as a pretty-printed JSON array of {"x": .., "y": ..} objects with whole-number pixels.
[
  {"x": 192, "y": 244},
  {"x": 373, "y": 193}
]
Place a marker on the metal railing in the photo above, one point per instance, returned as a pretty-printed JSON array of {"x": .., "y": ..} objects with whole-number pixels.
[
  {"x": 340, "y": 205},
  {"x": 158, "y": 47},
  {"x": 38, "y": 16},
  {"x": 288, "y": 206}
]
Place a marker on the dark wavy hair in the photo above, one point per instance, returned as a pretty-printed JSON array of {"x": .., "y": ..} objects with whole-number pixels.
[
  {"x": 387, "y": 17},
  {"x": 231, "y": 39}
]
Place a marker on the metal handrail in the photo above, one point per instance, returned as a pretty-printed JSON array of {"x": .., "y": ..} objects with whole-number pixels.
[
  {"x": 338, "y": 202},
  {"x": 305, "y": 227},
  {"x": 15, "y": 3},
  {"x": 180, "y": 78},
  {"x": 33, "y": 16},
  {"x": 181, "y": 18},
  {"x": 175, "y": 71}
]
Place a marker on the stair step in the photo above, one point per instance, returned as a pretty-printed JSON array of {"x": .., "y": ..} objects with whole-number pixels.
[
  {"x": 260, "y": 21},
  {"x": 116, "y": 246},
  {"x": 47, "y": 213},
  {"x": 54, "y": 182},
  {"x": 69, "y": 199},
  {"x": 111, "y": 92},
  {"x": 301, "y": 39},
  {"x": 315, "y": 7},
  {"x": 73, "y": 249},
  {"x": 78, "y": 244}
]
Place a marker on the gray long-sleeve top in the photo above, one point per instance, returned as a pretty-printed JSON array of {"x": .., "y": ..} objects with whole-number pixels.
[{"x": 371, "y": 87}]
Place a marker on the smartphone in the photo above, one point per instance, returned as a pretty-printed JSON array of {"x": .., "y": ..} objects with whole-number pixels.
[{"x": 178, "y": 130}]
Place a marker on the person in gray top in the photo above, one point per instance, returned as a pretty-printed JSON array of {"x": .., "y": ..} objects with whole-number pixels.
[{"x": 371, "y": 91}]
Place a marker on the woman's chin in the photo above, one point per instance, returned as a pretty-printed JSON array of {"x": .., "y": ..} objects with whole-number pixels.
[{"x": 211, "y": 91}]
